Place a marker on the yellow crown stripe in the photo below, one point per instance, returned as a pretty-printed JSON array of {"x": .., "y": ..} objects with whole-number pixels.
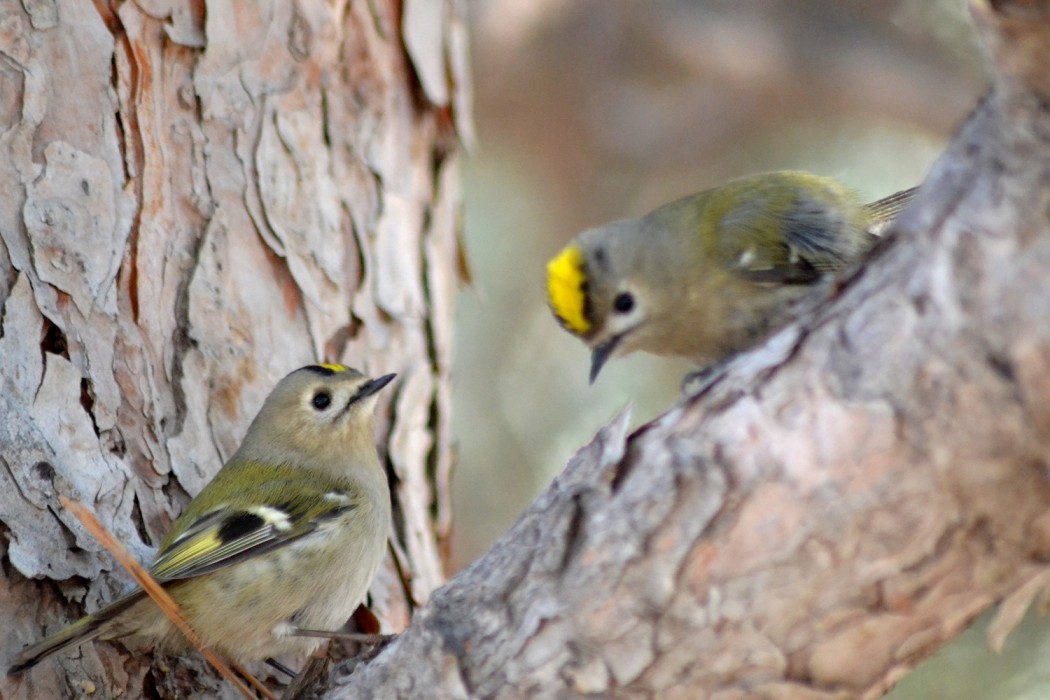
[
  {"x": 566, "y": 290},
  {"x": 334, "y": 368}
]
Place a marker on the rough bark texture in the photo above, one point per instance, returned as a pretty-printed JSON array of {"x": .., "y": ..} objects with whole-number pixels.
[
  {"x": 836, "y": 506},
  {"x": 195, "y": 199}
]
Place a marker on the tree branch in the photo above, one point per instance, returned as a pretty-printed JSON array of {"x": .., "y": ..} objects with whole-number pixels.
[{"x": 839, "y": 504}]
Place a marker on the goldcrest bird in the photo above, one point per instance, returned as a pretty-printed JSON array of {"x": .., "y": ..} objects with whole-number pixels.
[
  {"x": 285, "y": 539},
  {"x": 712, "y": 273}
]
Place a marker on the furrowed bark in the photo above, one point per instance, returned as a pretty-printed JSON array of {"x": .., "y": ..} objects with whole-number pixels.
[{"x": 199, "y": 198}]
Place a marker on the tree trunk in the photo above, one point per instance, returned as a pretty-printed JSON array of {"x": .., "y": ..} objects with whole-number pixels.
[
  {"x": 836, "y": 505},
  {"x": 197, "y": 198}
]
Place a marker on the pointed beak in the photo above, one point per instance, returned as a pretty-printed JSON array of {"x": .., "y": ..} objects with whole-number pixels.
[
  {"x": 601, "y": 354},
  {"x": 371, "y": 387}
]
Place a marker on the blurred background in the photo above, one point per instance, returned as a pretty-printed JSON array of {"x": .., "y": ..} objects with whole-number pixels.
[{"x": 593, "y": 110}]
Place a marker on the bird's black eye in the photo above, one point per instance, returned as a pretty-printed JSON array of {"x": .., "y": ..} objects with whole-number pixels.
[
  {"x": 321, "y": 400},
  {"x": 623, "y": 302}
]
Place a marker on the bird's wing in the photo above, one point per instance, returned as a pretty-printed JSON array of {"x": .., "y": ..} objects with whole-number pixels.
[
  {"x": 227, "y": 535},
  {"x": 809, "y": 239},
  {"x": 762, "y": 247}
]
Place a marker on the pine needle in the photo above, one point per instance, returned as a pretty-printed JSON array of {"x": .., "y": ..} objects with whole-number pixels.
[{"x": 155, "y": 591}]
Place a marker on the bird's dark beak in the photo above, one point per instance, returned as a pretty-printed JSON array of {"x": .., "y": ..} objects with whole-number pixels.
[
  {"x": 371, "y": 387},
  {"x": 600, "y": 355}
]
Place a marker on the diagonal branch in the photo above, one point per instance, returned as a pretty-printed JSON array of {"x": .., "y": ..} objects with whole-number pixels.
[{"x": 841, "y": 503}]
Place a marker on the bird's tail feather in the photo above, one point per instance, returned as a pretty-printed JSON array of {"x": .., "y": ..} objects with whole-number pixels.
[
  {"x": 83, "y": 630},
  {"x": 885, "y": 210}
]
